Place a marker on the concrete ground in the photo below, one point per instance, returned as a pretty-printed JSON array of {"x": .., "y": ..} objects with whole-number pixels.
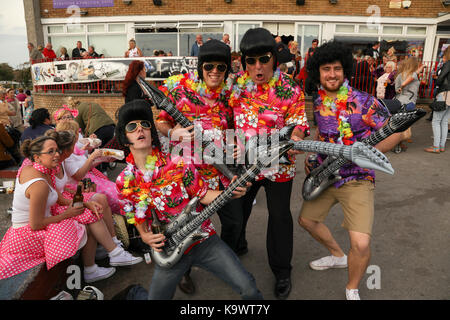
[{"x": 409, "y": 248}]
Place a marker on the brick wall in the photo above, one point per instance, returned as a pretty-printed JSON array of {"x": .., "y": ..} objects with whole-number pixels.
[
  {"x": 419, "y": 8},
  {"x": 53, "y": 101}
]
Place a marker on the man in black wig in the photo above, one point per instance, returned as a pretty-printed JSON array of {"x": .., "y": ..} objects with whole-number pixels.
[{"x": 265, "y": 100}]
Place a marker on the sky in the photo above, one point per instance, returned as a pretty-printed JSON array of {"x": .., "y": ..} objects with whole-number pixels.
[{"x": 13, "y": 33}]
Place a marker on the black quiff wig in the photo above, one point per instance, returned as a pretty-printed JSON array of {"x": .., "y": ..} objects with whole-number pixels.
[
  {"x": 328, "y": 53},
  {"x": 256, "y": 42},
  {"x": 131, "y": 111},
  {"x": 214, "y": 50}
]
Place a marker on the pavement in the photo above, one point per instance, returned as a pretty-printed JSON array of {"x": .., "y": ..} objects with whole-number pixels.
[{"x": 410, "y": 256}]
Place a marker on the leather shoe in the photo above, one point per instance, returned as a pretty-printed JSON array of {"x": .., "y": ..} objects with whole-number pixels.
[
  {"x": 283, "y": 288},
  {"x": 187, "y": 285}
]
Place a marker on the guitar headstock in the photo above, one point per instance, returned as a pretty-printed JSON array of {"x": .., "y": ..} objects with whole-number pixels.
[{"x": 369, "y": 157}]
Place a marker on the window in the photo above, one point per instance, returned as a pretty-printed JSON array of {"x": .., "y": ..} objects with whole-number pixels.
[
  {"x": 55, "y": 29},
  {"x": 242, "y": 29},
  {"x": 117, "y": 27},
  {"x": 148, "y": 42},
  {"x": 392, "y": 29},
  {"x": 368, "y": 29},
  {"x": 110, "y": 45},
  {"x": 75, "y": 28},
  {"x": 305, "y": 35},
  {"x": 416, "y": 30},
  {"x": 67, "y": 41},
  {"x": 96, "y": 28},
  {"x": 345, "y": 28}
]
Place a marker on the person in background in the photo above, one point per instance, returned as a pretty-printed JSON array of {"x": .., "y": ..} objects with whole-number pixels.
[
  {"x": 39, "y": 124},
  {"x": 63, "y": 55},
  {"x": 6, "y": 142},
  {"x": 133, "y": 51},
  {"x": 35, "y": 54},
  {"x": 91, "y": 53},
  {"x": 78, "y": 50},
  {"x": 131, "y": 89},
  {"x": 16, "y": 112},
  {"x": 384, "y": 81},
  {"x": 440, "y": 118},
  {"x": 21, "y": 96},
  {"x": 196, "y": 46},
  {"x": 48, "y": 52},
  {"x": 226, "y": 39},
  {"x": 29, "y": 108}
]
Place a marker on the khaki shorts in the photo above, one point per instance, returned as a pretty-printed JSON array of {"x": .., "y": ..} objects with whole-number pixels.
[{"x": 357, "y": 200}]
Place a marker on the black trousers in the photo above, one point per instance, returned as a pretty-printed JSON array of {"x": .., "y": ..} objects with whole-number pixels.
[
  {"x": 232, "y": 220},
  {"x": 279, "y": 240}
]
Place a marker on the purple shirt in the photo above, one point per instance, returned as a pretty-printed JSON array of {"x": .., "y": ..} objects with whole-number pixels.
[{"x": 365, "y": 115}]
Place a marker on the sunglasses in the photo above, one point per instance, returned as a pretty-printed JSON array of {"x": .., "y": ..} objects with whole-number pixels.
[
  {"x": 262, "y": 59},
  {"x": 68, "y": 117},
  {"x": 51, "y": 152},
  {"x": 133, "y": 126},
  {"x": 219, "y": 66}
]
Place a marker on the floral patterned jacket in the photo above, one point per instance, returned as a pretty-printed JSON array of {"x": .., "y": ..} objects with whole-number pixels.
[
  {"x": 181, "y": 91},
  {"x": 168, "y": 190},
  {"x": 260, "y": 109}
]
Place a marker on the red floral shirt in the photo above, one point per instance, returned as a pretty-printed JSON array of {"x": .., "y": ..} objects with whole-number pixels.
[
  {"x": 212, "y": 120},
  {"x": 167, "y": 189},
  {"x": 264, "y": 108}
]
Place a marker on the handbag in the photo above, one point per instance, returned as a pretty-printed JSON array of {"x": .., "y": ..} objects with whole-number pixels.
[{"x": 439, "y": 105}]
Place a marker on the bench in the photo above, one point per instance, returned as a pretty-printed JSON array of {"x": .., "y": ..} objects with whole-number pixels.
[{"x": 37, "y": 283}]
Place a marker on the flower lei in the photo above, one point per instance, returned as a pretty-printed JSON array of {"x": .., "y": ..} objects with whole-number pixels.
[
  {"x": 245, "y": 83},
  {"x": 339, "y": 105},
  {"x": 139, "y": 191},
  {"x": 191, "y": 81}
]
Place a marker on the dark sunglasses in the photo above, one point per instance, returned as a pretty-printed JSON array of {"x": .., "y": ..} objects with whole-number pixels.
[
  {"x": 133, "y": 126},
  {"x": 51, "y": 152},
  {"x": 262, "y": 59},
  {"x": 219, "y": 66}
]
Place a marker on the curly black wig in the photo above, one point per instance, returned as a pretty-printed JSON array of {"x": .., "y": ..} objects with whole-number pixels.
[
  {"x": 256, "y": 42},
  {"x": 328, "y": 53},
  {"x": 214, "y": 50},
  {"x": 131, "y": 111}
]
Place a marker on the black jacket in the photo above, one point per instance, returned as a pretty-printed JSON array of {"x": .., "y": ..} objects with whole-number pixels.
[{"x": 443, "y": 80}]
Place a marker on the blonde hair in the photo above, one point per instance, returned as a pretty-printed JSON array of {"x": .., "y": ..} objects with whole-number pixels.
[
  {"x": 72, "y": 102},
  {"x": 70, "y": 125},
  {"x": 447, "y": 53},
  {"x": 408, "y": 67},
  {"x": 391, "y": 64}
]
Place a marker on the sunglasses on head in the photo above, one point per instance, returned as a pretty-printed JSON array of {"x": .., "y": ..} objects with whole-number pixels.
[
  {"x": 133, "y": 126},
  {"x": 262, "y": 59},
  {"x": 221, "y": 67}
]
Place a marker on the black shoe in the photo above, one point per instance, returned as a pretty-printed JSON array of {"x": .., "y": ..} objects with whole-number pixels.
[
  {"x": 187, "y": 285},
  {"x": 283, "y": 288},
  {"x": 241, "y": 252},
  {"x": 122, "y": 295}
]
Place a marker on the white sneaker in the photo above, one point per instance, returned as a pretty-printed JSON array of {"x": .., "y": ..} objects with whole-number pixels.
[
  {"x": 329, "y": 262},
  {"x": 100, "y": 273},
  {"x": 352, "y": 294},
  {"x": 121, "y": 257}
]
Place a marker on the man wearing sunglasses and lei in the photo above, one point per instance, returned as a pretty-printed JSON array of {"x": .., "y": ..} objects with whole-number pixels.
[
  {"x": 203, "y": 98},
  {"x": 154, "y": 182},
  {"x": 265, "y": 100},
  {"x": 344, "y": 115}
]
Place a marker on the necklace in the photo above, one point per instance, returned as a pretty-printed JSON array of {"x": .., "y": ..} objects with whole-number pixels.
[
  {"x": 244, "y": 83},
  {"x": 137, "y": 189},
  {"x": 339, "y": 107},
  {"x": 192, "y": 82}
]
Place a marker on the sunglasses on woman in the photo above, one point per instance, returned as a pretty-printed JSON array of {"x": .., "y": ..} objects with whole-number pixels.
[
  {"x": 262, "y": 59},
  {"x": 133, "y": 126},
  {"x": 219, "y": 66}
]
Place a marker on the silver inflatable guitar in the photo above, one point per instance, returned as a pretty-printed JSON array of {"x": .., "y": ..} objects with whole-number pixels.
[
  {"x": 163, "y": 103},
  {"x": 327, "y": 173},
  {"x": 183, "y": 231}
]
